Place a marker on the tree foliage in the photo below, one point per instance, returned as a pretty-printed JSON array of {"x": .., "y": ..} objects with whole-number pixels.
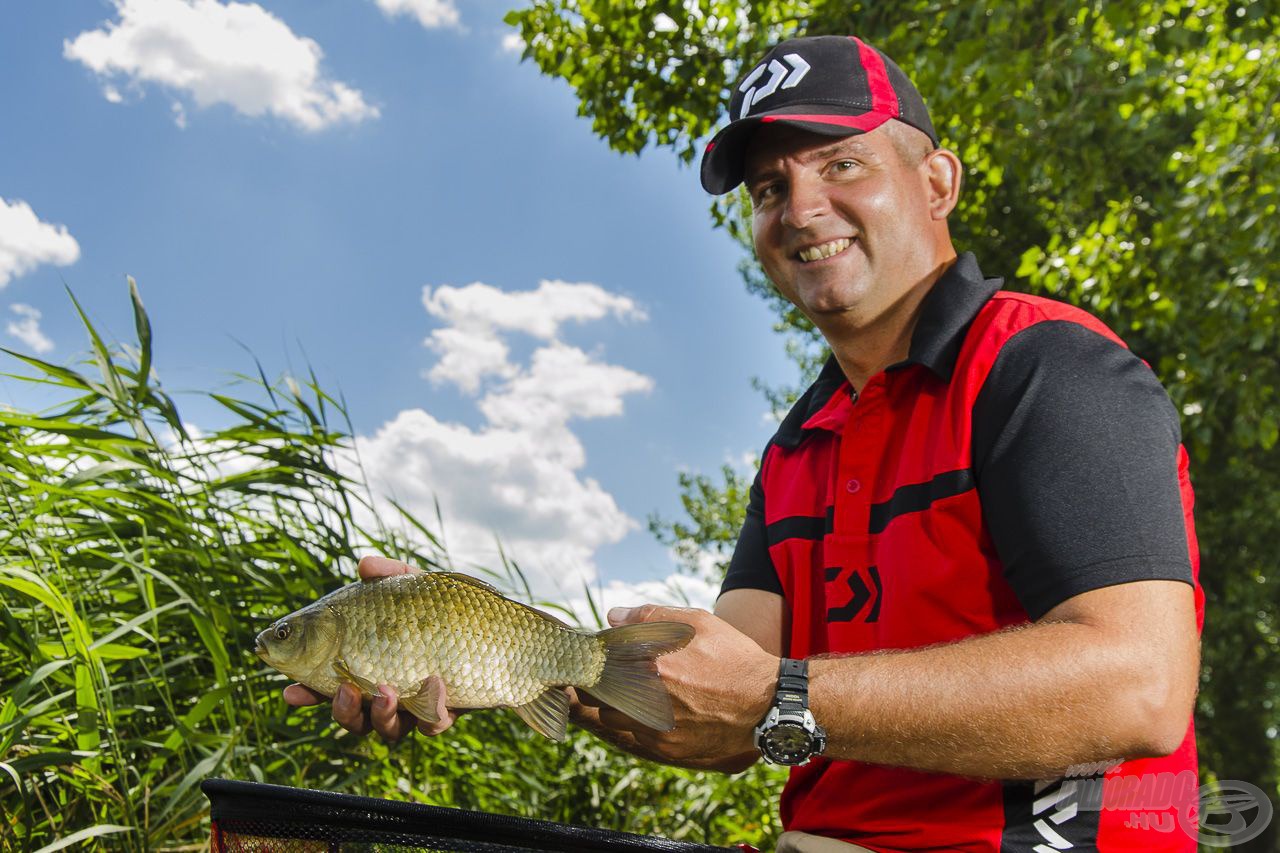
[{"x": 1121, "y": 156}]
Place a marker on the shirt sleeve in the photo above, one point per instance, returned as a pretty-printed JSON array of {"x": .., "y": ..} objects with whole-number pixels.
[
  {"x": 751, "y": 567},
  {"x": 1075, "y": 453}
]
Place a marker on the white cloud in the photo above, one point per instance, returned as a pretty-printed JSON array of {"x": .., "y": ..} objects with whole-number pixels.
[
  {"x": 518, "y": 477},
  {"x": 236, "y": 53},
  {"x": 26, "y": 242},
  {"x": 513, "y": 43},
  {"x": 470, "y": 347},
  {"x": 27, "y": 328},
  {"x": 432, "y": 14},
  {"x": 674, "y": 590}
]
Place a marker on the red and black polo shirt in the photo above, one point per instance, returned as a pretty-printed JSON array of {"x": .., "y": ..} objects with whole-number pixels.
[{"x": 1019, "y": 456}]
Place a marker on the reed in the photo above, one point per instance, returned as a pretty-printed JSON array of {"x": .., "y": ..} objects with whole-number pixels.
[{"x": 137, "y": 561}]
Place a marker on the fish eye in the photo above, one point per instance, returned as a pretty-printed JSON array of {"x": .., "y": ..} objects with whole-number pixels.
[{"x": 282, "y": 631}]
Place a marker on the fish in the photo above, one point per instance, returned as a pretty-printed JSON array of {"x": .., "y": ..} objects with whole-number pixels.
[{"x": 489, "y": 650}]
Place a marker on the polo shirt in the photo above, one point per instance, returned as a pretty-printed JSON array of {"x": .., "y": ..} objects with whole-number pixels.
[{"x": 1019, "y": 456}]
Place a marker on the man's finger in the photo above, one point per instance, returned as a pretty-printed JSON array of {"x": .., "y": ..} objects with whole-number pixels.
[
  {"x": 384, "y": 717},
  {"x": 348, "y": 710},
  {"x": 298, "y": 694},
  {"x": 373, "y": 567},
  {"x": 651, "y": 613}
]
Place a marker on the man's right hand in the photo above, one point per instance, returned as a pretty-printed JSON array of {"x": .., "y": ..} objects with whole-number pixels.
[{"x": 382, "y": 716}]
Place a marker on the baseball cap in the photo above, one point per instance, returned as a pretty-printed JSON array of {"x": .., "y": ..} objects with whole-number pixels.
[{"x": 834, "y": 85}]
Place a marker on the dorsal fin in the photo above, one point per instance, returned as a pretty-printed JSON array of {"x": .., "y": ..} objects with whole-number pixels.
[
  {"x": 468, "y": 579},
  {"x": 488, "y": 587}
]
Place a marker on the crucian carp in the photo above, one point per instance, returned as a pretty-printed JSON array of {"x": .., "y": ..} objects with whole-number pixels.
[{"x": 490, "y": 651}]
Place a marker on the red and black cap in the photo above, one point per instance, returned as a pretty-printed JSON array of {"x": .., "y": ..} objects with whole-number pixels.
[{"x": 834, "y": 85}]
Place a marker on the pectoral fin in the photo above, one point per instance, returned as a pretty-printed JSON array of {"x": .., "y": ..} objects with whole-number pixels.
[
  {"x": 425, "y": 704},
  {"x": 366, "y": 686},
  {"x": 548, "y": 714}
]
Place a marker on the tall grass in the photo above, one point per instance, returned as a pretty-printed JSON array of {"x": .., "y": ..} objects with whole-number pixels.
[{"x": 137, "y": 561}]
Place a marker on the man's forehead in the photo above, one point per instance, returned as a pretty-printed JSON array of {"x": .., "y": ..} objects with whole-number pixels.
[{"x": 773, "y": 142}]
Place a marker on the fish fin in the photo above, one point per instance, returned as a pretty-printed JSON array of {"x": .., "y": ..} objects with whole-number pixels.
[
  {"x": 488, "y": 587},
  {"x": 366, "y": 686},
  {"x": 548, "y": 714},
  {"x": 468, "y": 579},
  {"x": 630, "y": 681},
  {"x": 425, "y": 704}
]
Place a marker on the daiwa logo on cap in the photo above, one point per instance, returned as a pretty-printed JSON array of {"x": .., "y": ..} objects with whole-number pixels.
[{"x": 781, "y": 77}]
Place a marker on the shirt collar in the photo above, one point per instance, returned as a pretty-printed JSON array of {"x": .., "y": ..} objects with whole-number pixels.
[{"x": 946, "y": 313}]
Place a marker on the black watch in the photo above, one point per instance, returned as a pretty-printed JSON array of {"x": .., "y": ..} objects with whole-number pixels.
[{"x": 788, "y": 734}]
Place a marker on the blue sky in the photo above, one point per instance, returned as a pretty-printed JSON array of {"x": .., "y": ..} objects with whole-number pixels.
[{"x": 534, "y": 329}]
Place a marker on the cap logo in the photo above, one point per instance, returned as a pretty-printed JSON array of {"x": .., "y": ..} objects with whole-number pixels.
[{"x": 780, "y": 77}]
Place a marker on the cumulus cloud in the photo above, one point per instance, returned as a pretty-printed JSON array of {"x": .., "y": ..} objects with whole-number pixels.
[
  {"x": 432, "y": 14},
  {"x": 26, "y": 328},
  {"x": 512, "y": 43},
  {"x": 477, "y": 315},
  {"x": 237, "y": 54},
  {"x": 518, "y": 477},
  {"x": 26, "y": 242}
]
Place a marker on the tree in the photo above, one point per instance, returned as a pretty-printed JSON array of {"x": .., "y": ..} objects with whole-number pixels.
[{"x": 1121, "y": 156}]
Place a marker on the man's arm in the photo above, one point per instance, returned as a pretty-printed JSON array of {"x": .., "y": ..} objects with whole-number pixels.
[{"x": 1106, "y": 675}]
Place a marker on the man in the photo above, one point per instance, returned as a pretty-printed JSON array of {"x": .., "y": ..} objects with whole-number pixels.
[{"x": 969, "y": 561}]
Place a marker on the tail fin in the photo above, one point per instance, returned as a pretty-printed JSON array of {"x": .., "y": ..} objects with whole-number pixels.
[{"x": 630, "y": 679}]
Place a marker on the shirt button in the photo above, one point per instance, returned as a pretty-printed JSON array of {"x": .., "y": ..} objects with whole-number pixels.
[{"x": 853, "y": 486}]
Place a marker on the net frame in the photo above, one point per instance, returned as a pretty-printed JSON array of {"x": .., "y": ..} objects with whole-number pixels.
[{"x": 280, "y": 818}]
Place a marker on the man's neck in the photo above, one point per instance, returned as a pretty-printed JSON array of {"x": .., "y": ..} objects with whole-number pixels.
[{"x": 865, "y": 349}]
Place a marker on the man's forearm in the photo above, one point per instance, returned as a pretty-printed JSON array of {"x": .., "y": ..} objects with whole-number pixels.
[{"x": 1023, "y": 703}]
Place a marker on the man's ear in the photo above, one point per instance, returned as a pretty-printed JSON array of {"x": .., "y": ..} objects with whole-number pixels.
[{"x": 944, "y": 173}]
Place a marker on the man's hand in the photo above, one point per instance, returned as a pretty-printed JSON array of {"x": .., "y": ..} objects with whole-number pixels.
[
  {"x": 383, "y": 716},
  {"x": 721, "y": 685}
]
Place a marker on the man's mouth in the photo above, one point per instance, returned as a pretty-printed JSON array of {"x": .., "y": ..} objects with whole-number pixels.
[{"x": 825, "y": 250}]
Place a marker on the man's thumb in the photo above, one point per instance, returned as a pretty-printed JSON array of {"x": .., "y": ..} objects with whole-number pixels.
[{"x": 620, "y": 615}]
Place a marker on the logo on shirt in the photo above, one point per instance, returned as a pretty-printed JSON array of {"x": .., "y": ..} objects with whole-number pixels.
[{"x": 865, "y": 592}]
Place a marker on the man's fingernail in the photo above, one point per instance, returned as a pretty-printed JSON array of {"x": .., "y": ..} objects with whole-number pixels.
[
  {"x": 619, "y": 614},
  {"x": 344, "y": 701}
]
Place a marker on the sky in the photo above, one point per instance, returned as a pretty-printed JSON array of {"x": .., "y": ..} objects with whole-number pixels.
[{"x": 530, "y": 329}]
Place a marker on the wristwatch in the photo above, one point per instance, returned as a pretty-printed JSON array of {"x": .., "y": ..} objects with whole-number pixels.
[{"x": 789, "y": 734}]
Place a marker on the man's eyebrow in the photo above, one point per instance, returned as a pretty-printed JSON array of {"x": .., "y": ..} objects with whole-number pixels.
[
  {"x": 848, "y": 143},
  {"x": 844, "y": 145}
]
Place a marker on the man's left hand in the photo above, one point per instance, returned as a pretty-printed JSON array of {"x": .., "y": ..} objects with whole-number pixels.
[{"x": 721, "y": 685}]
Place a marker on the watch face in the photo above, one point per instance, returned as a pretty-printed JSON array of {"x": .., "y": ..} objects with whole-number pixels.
[{"x": 787, "y": 743}]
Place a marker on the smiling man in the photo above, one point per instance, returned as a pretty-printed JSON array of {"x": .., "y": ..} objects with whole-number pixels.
[
  {"x": 964, "y": 603},
  {"x": 968, "y": 570}
]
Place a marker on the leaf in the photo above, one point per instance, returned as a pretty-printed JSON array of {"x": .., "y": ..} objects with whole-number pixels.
[
  {"x": 142, "y": 324},
  {"x": 86, "y": 834}
]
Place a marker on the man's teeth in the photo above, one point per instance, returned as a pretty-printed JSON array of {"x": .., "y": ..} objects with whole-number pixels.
[{"x": 826, "y": 250}]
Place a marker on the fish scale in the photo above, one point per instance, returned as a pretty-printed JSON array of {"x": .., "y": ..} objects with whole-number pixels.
[{"x": 488, "y": 650}]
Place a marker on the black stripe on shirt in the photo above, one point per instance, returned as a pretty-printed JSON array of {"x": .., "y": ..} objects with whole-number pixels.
[
  {"x": 801, "y": 527},
  {"x": 919, "y": 496}
]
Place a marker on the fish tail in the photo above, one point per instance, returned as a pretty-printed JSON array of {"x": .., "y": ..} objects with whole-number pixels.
[{"x": 630, "y": 680}]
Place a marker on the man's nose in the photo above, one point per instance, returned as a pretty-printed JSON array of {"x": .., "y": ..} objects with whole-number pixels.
[{"x": 806, "y": 201}]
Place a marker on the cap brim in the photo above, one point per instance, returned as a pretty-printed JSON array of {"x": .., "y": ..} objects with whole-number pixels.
[{"x": 723, "y": 159}]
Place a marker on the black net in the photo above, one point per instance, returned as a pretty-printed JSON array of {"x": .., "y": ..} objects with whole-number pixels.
[{"x": 249, "y": 817}]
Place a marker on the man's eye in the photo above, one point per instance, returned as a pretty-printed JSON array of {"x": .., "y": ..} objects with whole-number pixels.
[
  {"x": 843, "y": 165},
  {"x": 764, "y": 193}
]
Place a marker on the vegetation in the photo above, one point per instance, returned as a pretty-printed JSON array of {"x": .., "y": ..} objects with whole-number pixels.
[
  {"x": 1120, "y": 155},
  {"x": 138, "y": 561}
]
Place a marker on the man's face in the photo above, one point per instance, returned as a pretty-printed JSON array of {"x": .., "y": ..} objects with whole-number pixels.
[{"x": 840, "y": 224}]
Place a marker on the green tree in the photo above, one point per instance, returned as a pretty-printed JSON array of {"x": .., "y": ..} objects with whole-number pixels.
[{"x": 1121, "y": 156}]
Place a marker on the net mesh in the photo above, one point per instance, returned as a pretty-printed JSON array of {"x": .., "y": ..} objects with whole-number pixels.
[{"x": 249, "y": 817}]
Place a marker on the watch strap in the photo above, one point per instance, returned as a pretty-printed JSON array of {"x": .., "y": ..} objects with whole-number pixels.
[{"x": 793, "y": 683}]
